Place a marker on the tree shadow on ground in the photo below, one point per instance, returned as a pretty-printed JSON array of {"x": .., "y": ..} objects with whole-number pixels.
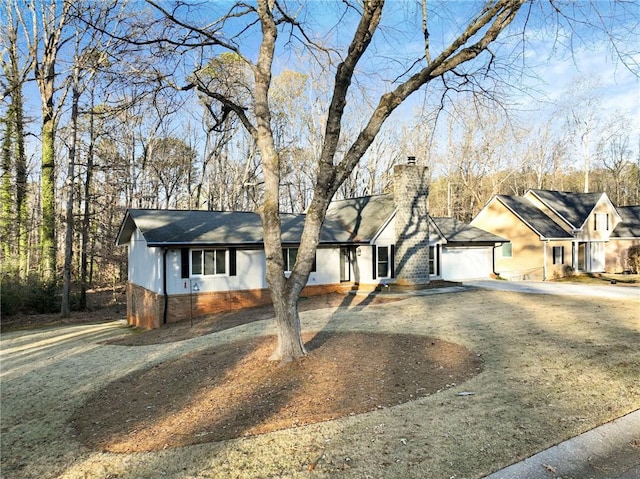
[
  {"x": 181, "y": 331},
  {"x": 233, "y": 390}
]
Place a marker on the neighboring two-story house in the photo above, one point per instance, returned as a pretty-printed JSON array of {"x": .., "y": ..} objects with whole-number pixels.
[{"x": 552, "y": 233}]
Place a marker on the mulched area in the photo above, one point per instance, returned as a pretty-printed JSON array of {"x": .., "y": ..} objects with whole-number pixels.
[{"x": 233, "y": 390}]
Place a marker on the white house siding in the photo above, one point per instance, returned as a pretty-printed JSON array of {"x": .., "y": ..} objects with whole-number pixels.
[
  {"x": 327, "y": 267},
  {"x": 145, "y": 264},
  {"x": 362, "y": 272},
  {"x": 387, "y": 236},
  {"x": 466, "y": 263},
  {"x": 250, "y": 272}
]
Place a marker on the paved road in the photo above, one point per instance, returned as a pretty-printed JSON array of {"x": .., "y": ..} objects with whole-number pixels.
[
  {"x": 606, "y": 452},
  {"x": 613, "y": 291}
]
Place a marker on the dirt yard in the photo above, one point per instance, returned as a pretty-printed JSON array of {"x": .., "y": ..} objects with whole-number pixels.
[{"x": 441, "y": 385}]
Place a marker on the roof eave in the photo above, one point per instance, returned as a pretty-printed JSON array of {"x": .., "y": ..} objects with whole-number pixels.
[
  {"x": 540, "y": 234},
  {"x": 119, "y": 240}
]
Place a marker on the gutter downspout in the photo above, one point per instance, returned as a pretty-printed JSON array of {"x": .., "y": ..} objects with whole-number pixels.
[
  {"x": 165, "y": 311},
  {"x": 544, "y": 260}
]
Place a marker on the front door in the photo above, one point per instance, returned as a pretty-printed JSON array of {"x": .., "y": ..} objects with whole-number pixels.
[
  {"x": 345, "y": 264},
  {"x": 582, "y": 256}
]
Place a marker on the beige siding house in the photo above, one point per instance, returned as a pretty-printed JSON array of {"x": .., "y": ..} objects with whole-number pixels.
[
  {"x": 625, "y": 235},
  {"x": 552, "y": 233}
]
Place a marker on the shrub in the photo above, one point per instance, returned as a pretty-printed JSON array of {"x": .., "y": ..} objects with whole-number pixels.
[
  {"x": 31, "y": 295},
  {"x": 10, "y": 297}
]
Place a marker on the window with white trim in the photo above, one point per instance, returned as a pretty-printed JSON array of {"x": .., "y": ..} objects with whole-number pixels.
[
  {"x": 507, "y": 250},
  {"x": 601, "y": 222},
  {"x": 208, "y": 262},
  {"x": 558, "y": 255}
]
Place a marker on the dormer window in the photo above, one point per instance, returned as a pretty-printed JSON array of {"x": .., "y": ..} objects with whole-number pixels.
[{"x": 601, "y": 222}]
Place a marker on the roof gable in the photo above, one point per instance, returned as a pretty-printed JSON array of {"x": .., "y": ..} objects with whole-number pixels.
[
  {"x": 533, "y": 217},
  {"x": 361, "y": 218},
  {"x": 629, "y": 226},
  {"x": 574, "y": 208}
]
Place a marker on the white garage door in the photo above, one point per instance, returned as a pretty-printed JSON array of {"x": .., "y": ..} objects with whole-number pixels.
[{"x": 466, "y": 263}]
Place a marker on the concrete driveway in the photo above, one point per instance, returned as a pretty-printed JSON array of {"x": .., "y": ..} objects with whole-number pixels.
[{"x": 612, "y": 291}]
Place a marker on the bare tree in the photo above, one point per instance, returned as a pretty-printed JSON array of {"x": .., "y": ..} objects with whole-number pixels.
[
  {"x": 615, "y": 154},
  {"x": 481, "y": 31},
  {"x": 173, "y": 161},
  {"x": 14, "y": 217},
  {"x": 48, "y": 20},
  {"x": 462, "y": 62},
  {"x": 582, "y": 106}
]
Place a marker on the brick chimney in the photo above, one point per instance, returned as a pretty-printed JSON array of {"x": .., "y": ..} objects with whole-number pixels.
[{"x": 410, "y": 193}]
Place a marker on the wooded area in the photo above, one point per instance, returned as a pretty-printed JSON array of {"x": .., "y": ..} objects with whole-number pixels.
[{"x": 139, "y": 109}]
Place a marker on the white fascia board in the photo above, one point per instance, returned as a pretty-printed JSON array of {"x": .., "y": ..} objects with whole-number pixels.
[{"x": 443, "y": 239}]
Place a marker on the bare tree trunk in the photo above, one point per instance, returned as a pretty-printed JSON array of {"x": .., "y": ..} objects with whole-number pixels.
[
  {"x": 14, "y": 206},
  {"x": 284, "y": 291},
  {"x": 52, "y": 20},
  {"x": 86, "y": 215},
  {"x": 21, "y": 188},
  {"x": 47, "y": 195},
  {"x": 65, "y": 308}
]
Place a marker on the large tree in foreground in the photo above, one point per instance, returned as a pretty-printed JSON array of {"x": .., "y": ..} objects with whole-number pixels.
[{"x": 458, "y": 63}]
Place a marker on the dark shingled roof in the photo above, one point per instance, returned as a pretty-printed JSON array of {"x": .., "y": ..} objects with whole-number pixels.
[
  {"x": 360, "y": 218},
  {"x": 573, "y": 207},
  {"x": 189, "y": 227},
  {"x": 356, "y": 220},
  {"x": 161, "y": 227},
  {"x": 629, "y": 227},
  {"x": 456, "y": 231},
  {"x": 535, "y": 218}
]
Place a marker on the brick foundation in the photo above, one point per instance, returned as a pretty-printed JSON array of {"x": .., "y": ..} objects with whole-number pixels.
[{"x": 145, "y": 309}]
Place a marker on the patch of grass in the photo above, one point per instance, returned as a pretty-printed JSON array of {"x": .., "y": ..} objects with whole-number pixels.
[{"x": 553, "y": 367}]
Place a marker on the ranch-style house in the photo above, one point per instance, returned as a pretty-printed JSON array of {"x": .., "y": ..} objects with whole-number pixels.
[{"x": 185, "y": 264}]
